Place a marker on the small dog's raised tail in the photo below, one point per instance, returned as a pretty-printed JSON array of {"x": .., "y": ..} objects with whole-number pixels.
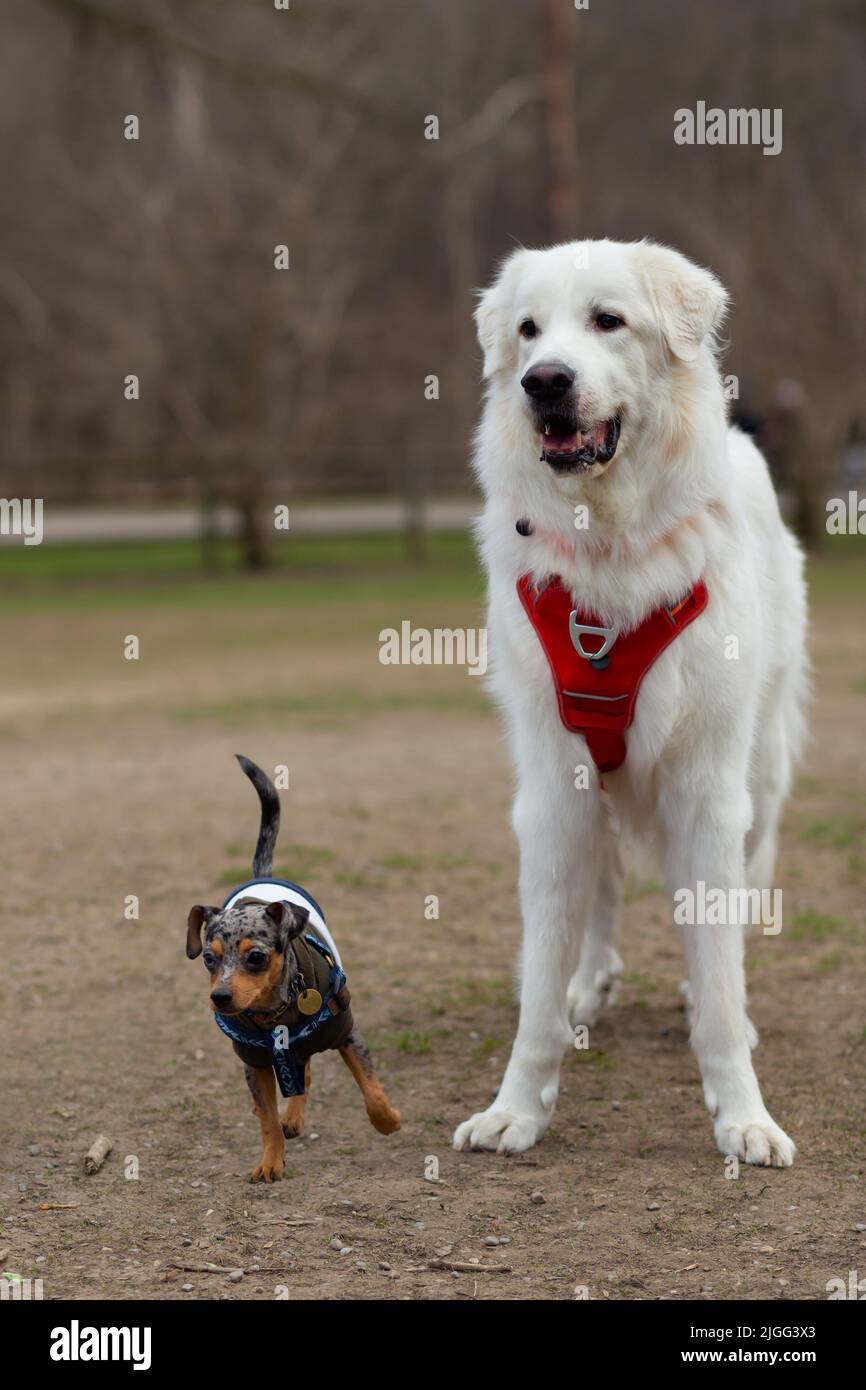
[{"x": 263, "y": 859}]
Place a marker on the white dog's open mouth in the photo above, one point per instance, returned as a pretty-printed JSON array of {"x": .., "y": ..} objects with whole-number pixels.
[{"x": 569, "y": 449}]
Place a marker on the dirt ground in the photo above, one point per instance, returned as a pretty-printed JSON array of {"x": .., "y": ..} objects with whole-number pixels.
[{"x": 119, "y": 780}]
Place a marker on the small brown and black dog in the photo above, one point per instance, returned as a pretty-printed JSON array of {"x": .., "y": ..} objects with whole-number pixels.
[{"x": 278, "y": 990}]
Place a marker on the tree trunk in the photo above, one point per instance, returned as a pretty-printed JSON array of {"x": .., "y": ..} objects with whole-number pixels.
[{"x": 560, "y": 114}]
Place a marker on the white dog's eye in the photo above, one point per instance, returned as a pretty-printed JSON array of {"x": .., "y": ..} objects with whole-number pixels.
[
  {"x": 609, "y": 322},
  {"x": 528, "y": 329}
]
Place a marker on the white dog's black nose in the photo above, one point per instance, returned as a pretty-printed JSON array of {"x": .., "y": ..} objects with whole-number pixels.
[{"x": 547, "y": 381}]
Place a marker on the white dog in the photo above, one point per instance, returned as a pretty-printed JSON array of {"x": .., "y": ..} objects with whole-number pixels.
[{"x": 610, "y": 472}]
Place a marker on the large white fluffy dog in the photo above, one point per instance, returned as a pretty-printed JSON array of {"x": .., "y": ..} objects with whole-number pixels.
[{"x": 606, "y": 460}]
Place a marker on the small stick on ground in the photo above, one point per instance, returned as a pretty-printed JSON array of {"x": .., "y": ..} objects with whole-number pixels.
[
  {"x": 467, "y": 1267},
  {"x": 97, "y": 1153},
  {"x": 226, "y": 1269}
]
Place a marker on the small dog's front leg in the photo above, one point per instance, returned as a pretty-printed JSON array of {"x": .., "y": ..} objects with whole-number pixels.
[
  {"x": 263, "y": 1089},
  {"x": 293, "y": 1115},
  {"x": 383, "y": 1116}
]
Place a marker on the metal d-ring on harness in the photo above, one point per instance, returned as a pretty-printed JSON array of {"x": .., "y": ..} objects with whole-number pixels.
[{"x": 576, "y": 631}]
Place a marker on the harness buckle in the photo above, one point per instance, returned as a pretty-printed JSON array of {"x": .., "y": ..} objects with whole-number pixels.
[{"x": 577, "y": 630}]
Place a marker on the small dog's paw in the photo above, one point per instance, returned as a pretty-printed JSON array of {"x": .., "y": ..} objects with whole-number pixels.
[
  {"x": 758, "y": 1141},
  {"x": 293, "y": 1118},
  {"x": 500, "y": 1131},
  {"x": 385, "y": 1119},
  {"x": 271, "y": 1171}
]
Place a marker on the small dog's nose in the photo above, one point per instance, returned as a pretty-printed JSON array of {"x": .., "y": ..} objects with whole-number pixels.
[
  {"x": 547, "y": 381},
  {"x": 221, "y": 997}
]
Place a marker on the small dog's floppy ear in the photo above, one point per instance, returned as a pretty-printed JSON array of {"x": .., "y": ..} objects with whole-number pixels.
[
  {"x": 198, "y": 915},
  {"x": 492, "y": 318},
  {"x": 290, "y": 919},
  {"x": 690, "y": 302}
]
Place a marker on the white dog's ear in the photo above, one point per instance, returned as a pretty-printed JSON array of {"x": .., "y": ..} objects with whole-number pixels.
[
  {"x": 492, "y": 317},
  {"x": 690, "y": 302}
]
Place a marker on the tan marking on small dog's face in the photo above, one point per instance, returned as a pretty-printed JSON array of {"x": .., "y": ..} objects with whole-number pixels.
[
  {"x": 255, "y": 991},
  {"x": 245, "y": 953}
]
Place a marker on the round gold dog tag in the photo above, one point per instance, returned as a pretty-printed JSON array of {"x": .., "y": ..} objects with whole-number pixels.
[{"x": 309, "y": 1002}]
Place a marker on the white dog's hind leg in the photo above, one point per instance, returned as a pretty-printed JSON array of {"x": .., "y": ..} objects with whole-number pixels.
[
  {"x": 593, "y": 985},
  {"x": 559, "y": 832},
  {"x": 706, "y": 843}
]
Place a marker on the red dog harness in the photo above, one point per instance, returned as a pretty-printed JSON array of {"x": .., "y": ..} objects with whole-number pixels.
[{"x": 597, "y": 671}]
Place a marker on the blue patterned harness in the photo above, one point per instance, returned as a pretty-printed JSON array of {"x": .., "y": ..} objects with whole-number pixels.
[{"x": 280, "y": 1040}]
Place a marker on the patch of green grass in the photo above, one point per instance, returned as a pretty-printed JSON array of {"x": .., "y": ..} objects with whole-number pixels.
[
  {"x": 837, "y": 572},
  {"x": 347, "y": 703},
  {"x": 593, "y": 1058},
  {"x": 839, "y": 831},
  {"x": 400, "y": 860},
  {"x": 303, "y": 570},
  {"x": 856, "y": 866},
  {"x": 815, "y": 926},
  {"x": 486, "y": 1048},
  {"x": 304, "y": 861},
  {"x": 831, "y": 962},
  {"x": 356, "y": 878},
  {"x": 347, "y": 1150},
  {"x": 468, "y": 995},
  {"x": 416, "y": 1044},
  {"x": 452, "y": 861}
]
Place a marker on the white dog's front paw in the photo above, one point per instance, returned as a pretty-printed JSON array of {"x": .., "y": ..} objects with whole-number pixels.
[
  {"x": 758, "y": 1140},
  {"x": 500, "y": 1130}
]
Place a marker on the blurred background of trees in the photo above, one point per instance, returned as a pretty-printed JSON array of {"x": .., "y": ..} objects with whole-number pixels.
[{"x": 306, "y": 127}]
